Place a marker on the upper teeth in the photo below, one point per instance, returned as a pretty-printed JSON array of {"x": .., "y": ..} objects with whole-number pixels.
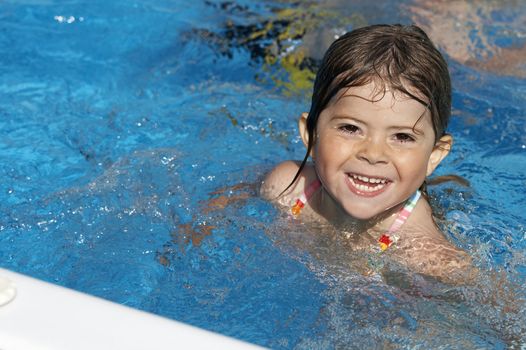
[{"x": 369, "y": 179}]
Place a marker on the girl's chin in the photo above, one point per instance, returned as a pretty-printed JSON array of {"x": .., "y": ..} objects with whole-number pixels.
[
  {"x": 357, "y": 208},
  {"x": 363, "y": 216},
  {"x": 366, "y": 213},
  {"x": 356, "y": 214}
]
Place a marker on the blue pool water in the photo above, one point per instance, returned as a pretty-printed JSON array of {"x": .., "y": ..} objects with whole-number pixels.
[{"x": 124, "y": 123}]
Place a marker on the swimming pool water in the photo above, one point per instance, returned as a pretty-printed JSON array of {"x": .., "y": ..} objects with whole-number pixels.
[{"x": 123, "y": 125}]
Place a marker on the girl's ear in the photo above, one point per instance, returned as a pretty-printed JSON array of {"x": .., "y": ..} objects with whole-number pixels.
[
  {"x": 302, "y": 126},
  {"x": 304, "y": 133},
  {"x": 440, "y": 151}
]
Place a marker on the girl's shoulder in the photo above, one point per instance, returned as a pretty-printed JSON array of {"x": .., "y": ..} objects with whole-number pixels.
[
  {"x": 275, "y": 186},
  {"x": 426, "y": 249}
]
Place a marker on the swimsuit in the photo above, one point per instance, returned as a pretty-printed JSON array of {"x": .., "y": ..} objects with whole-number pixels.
[{"x": 388, "y": 238}]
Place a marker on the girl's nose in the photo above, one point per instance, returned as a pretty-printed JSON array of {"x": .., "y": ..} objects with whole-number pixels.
[{"x": 372, "y": 151}]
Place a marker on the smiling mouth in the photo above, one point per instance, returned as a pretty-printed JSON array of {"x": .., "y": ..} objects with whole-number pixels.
[{"x": 366, "y": 184}]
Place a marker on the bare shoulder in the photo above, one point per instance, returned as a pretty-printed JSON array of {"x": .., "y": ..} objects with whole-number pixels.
[
  {"x": 279, "y": 178},
  {"x": 425, "y": 249}
]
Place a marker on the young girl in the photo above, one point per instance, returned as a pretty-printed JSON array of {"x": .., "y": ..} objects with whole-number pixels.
[{"x": 375, "y": 131}]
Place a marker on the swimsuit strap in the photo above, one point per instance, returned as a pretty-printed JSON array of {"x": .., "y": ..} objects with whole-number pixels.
[
  {"x": 389, "y": 238},
  {"x": 305, "y": 196}
]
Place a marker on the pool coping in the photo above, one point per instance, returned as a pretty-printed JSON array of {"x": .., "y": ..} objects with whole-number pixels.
[{"x": 46, "y": 316}]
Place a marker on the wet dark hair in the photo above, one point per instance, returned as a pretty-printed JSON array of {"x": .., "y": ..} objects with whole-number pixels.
[{"x": 395, "y": 57}]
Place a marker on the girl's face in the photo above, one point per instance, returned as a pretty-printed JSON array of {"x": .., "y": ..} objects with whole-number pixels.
[{"x": 372, "y": 151}]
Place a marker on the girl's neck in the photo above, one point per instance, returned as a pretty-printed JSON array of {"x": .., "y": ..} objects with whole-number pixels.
[{"x": 331, "y": 211}]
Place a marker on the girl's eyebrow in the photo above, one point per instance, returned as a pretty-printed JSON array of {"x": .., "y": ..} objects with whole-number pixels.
[{"x": 347, "y": 117}]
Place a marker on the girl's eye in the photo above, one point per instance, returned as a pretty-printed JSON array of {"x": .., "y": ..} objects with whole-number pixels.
[
  {"x": 403, "y": 137},
  {"x": 349, "y": 129}
]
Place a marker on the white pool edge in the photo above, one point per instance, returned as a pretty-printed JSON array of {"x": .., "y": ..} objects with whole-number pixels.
[{"x": 47, "y": 316}]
